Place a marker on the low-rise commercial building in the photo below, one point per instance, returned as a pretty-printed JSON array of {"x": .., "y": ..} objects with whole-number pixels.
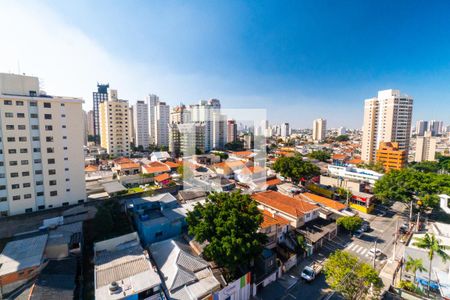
[{"x": 391, "y": 156}]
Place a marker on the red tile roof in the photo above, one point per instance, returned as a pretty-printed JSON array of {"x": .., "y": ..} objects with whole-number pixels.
[
  {"x": 128, "y": 165},
  {"x": 162, "y": 177},
  {"x": 322, "y": 200},
  {"x": 270, "y": 219},
  {"x": 340, "y": 156},
  {"x": 253, "y": 170},
  {"x": 156, "y": 167},
  {"x": 172, "y": 164},
  {"x": 90, "y": 168},
  {"x": 289, "y": 205}
]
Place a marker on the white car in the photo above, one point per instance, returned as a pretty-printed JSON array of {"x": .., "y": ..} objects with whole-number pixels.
[{"x": 374, "y": 252}]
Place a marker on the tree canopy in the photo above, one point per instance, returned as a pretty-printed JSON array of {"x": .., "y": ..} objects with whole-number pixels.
[
  {"x": 342, "y": 138},
  {"x": 350, "y": 223},
  {"x": 350, "y": 277},
  {"x": 402, "y": 185},
  {"x": 229, "y": 222},
  {"x": 320, "y": 155},
  {"x": 295, "y": 168},
  {"x": 377, "y": 167}
]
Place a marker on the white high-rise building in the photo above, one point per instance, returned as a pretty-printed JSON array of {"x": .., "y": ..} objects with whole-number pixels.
[
  {"x": 162, "y": 118},
  {"x": 141, "y": 126},
  {"x": 421, "y": 127},
  {"x": 115, "y": 125},
  {"x": 425, "y": 147},
  {"x": 41, "y": 148},
  {"x": 319, "y": 129},
  {"x": 152, "y": 102},
  {"x": 285, "y": 130},
  {"x": 341, "y": 131},
  {"x": 436, "y": 127},
  {"x": 387, "y": 118}
]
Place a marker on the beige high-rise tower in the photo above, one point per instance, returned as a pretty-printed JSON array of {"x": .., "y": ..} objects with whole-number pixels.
[
  {"x": 319, "y": 129},
  {"x": 115, "y": 128},
  {"x": 425, "y": 147},
  {"x": 387, "y": 118}
]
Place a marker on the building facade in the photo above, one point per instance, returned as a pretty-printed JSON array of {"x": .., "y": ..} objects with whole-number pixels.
[
  {"x": 319, "y": 129},
  {"x": 97, "y": 98},
  {"x": 391, "y": 156},
  {"x": 421, "y": 127},
  {"x": 41, "y": 148},
  {"x": 162, "y": 117},
  {"x": 115, "y": 129},
  {"x": 231, "y": 131},
  {"x": 152, "y": 101},
  {"x": 141, "y": 126},
  {"x": 425, "y": 148},
  {"x": 387, "y": 118},
  {"x": 285, "y": 130}
]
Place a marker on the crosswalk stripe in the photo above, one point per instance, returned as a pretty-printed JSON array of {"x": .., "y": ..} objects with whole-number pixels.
[
  {"x": 365, "y": 250},
  {"x": 359, "y": 249},
  {"x": 351, "y": 246}
]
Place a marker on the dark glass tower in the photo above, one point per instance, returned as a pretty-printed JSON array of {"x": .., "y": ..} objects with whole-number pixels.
[{"x": 97, "y": 98}]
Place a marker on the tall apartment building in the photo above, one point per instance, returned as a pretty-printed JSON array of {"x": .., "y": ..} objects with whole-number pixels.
[
  {"x": 341, "y": 131},
  {"x": 319, "y": 129},
  {"x": 187, "y": 139},
  {"x": 436, "y": 127},
  {"x": 387, "y": 118},
  {"x": 162, "y": 117},
  {"x": 425, "y": 148},
  {"x": 41, "y": 148},
  {"x": 421, "y": 127},
  {"x": 232, "y": 134},
  {"x": 219, "y": 130},
  {"x": 131, "y": 123},
  {"x": 285, "y": 130},
  {"x": 115, "y": 129},
  {"x": 97, "y": 98},
  {"x": 152, "y": 100},
  {"x": 180, "y": 114},
  {"x": 141, "y": 126},
  {"x": 391, "y": 156},
  {"x": 90, "y": 123}
]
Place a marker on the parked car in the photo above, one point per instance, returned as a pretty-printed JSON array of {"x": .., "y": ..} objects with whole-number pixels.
[
  {"x": 365, "y": 226},
  {"x": 358, "y": 233},
  {"x": 381, "y": 213},
  {"x": 310, "y": 272},
  {"x": 374, "y": 252}
]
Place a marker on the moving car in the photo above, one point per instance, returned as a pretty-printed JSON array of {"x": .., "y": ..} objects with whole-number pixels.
[{"x": 374, "y": 252}]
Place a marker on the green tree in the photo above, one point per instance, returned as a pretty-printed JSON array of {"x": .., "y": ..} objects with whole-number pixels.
[
  {"x": 301, "y": 242},
  {"x": 320, "y": 155},
  {"x": 434, "y": 247},
  {"x": 295, "y": 168},
  {"x": 345, "y": 274},
  {"x": 426, "y": 166},
  {"x": 185, "y": 173},
  {"x": 414, "y": 265},
  {"x": 230, "y": 223},
  {"x": 350, "y": 223},
  {"x": 376, "y": 167},
  {"x": 342, "y": 138}
]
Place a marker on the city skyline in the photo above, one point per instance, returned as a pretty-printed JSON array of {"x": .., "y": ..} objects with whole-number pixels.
[{"x": 247, "y": 63}]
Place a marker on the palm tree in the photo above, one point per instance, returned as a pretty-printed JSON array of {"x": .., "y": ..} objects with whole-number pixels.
[
  {"x": 414, "y": 265},
  {"x": 434, "y": 247}
]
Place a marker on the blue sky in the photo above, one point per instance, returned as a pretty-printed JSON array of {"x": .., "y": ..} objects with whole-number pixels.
[{"x": 300, "y": 60}]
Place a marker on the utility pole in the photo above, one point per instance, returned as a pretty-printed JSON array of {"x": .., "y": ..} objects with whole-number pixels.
[
  {"x": 418, "y": 221},
  {"x": 410, "y": 211}
]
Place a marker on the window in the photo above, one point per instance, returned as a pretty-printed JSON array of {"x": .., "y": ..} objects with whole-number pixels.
[
  {"x": 35, "y": 138},
  {"x": 50, "y": 150},
  {"x": 35, "y": 127},
  {"x": 7, "y": 102},
  {"x": 65, "y": 203},
  {"x": 19, "y": 103},
  {"x": 64, "y": 126},
  {"x": 51, "y": 161},
  {"x": 63, "y": 115},
  {"x": 47, "y": 116},
  {"x": 51, "y": 172},
  {"x": 9, "y": 127},
  {"x": 81, "y": 201},
  {"x": 33, "y": 103},
  {"x": 15, "y": 174},
  {"x": 38, "y": 172},
  {"x": 52, "y": 182},
  {"x": 34, "y": 116},
  {"x": 67, "y": 190},
  {"x": 62, "y": 104},
  {"x": 47, "y": 105},
  {"x": 15, "y": 186},
  {"x": 39, "y": 194},
  {"x": 2, "y": 187},
  {"x": 49, "y": 139},
  {"x": 39, "y": 182},
  {"x": 2, "y": 163},
  {"x": 48, "y": 127},
  {"x": 22, "y": 139},
  {"x": 23, "y": 150},
  {"x": 24, "y": 162},
  {"x": 53, "y": 193},
  {"x": 3, "y": 199},
  {"x": 26, "y": 185},
  {"x": 12, "y": 151},
  {"x": 67, "y": 179},
  {"x": 27, "y": 196},
  {"x": 13, "y": 163},
  {"x": 21, "y": 127},
  {"x": 36, "y": 150},
  {"x": 28, "y": 210},
  {"x": 64, "y": 137},
  {"x": 26, "y": 173},
  {"x": 17, "y": 197},
  {"x": 40, "y": 207},
  {"x": 66, "y": 158},
  {"x": 66, "y": 169},
  {"x": 65, "y": 148},
  {"x": 11, "y": 139},
  {"x": 2, "y": 175},
  {"x": 37, "y": 161},
  {"x": 20, "y": 115},
  {"x": 9, "y": 115}
]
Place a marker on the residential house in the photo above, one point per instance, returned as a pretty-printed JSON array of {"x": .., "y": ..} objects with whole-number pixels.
[
  {"x": 123, "y": 270},
  {"x": 332, "y": 205},
  {"x": 125, "y": 166},
  {"x": 295, "y": 210},
  {"x": 159, "y": 156},
  {"x": 155, "y": 168},
  {"x": 275, "y": 227},
  {"x": 186, "y": 276},
  {"x": 252, "y": 174},
  {"x": 228, "y": 168}
]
